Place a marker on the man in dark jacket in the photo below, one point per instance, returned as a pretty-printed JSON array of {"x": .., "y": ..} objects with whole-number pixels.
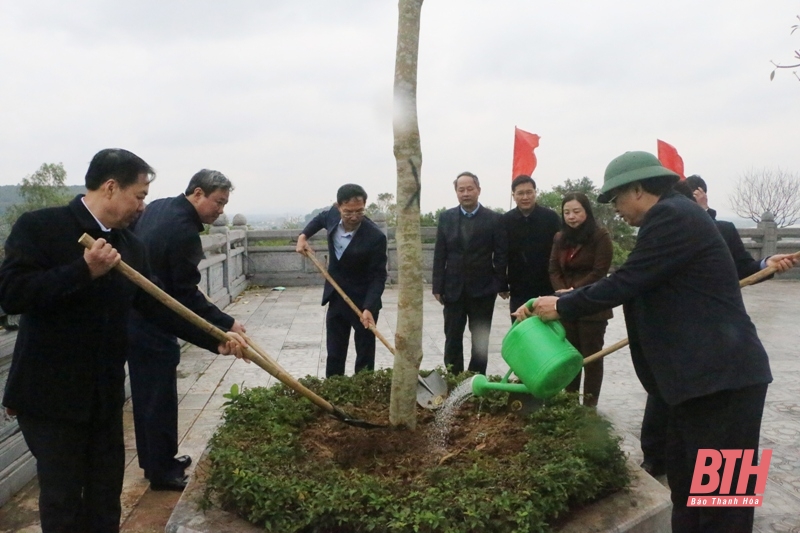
[
  {"x": 656, "y": 412},
  {"x": 469, "y": 271},
  {"x": 170, "y": 228},
  {"x": 745, "y": 264},
  {"x": 66, "y": 381},
  {"x": 357, "y": 262},
  {"x": 531, "y": 228},
  {"x": 691, "y": 339},
  {"x": 700, "y": 193}
]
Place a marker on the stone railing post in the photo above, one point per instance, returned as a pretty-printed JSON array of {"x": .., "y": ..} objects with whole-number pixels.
[
  {"x": 220, "y": 227},
  {"x": 240, "y": 222},
  {"x": 769, "y": 246},
  {"x": 380, "y": 220}
]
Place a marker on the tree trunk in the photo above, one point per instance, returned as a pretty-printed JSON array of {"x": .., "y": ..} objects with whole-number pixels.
[{"x": 408, "y": 154}]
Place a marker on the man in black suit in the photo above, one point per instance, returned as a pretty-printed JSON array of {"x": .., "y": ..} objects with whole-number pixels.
[
  {"x": 745, "y": 264},
  {"x": 469, "y": 271},
  {"x": 66, "y": 381},
  {"x": 691, "y": 339},
  {"x": 169, "y": 228},
  {"x": 700, "y": 193},
  {"x": 531, "y": 228},
  {"x": 357, "y": 262},
  {"x": 656, "y": 412}
]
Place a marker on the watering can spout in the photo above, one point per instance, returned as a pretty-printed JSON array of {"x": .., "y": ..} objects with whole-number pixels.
[{"x": 481, "y": 385}]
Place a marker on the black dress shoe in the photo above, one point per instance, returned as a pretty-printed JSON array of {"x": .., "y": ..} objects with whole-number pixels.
[
  {"x": 183, "y": 462},
  {"x": 655, "y": 469},
  {"x": 177, "y": 483}
]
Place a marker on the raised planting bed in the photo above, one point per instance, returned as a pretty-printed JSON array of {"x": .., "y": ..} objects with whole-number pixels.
[{"x": 279, "y": 463}]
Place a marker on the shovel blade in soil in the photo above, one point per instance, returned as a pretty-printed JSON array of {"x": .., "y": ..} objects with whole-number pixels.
[{"x": 431, "y": 390}]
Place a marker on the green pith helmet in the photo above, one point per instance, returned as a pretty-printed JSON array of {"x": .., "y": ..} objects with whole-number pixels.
[{"x": 630, "y": 167}]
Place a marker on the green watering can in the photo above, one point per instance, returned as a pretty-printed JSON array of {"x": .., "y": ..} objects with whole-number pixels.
[{"x": 541, "y": 357}]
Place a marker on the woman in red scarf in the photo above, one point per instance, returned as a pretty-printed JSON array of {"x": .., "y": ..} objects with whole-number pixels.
[{"x": 581, "y": 255}]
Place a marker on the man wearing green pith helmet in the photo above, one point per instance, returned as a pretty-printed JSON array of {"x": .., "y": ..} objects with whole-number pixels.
[{"x": 691, "y": 340}]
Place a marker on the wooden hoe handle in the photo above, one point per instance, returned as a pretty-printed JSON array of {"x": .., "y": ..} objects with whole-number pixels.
[
  {"x": 749, "y": 280},
  {"x": 354, "y": 307},
  {"x": 261, "y": 359}
]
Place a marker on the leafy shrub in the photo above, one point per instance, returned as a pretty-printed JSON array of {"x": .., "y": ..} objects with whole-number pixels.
[{"x": 509, "y": 475}]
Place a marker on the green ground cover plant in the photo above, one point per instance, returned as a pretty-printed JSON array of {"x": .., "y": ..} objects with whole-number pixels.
[{"x": 280, "y": 463}]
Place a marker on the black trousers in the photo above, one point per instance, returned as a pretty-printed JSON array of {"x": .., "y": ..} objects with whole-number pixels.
[
  {"x": 587, "y": 337},
  {"x": 80, "y": 468},
  {"x": 339, "y": 320},
  {"x": 724, "y": 420},
  {"x": 153, "y": 360},
  {"x": 478, "y": 311},
  {"x": 654, "y": 430}
]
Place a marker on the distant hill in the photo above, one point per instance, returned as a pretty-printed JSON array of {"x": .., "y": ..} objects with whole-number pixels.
[{"x": 9, "y": 195}]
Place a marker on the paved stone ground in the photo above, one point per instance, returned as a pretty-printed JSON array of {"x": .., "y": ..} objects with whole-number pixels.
[{"x": 290, "y": 326}]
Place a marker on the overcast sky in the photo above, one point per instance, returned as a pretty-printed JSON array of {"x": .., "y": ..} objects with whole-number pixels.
[{"x": 292, "y": 99}]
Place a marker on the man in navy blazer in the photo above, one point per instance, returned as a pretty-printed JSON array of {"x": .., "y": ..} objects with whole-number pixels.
[
  {"x": 357, "y": 262},
  {"x": 67, "y": 376},
  {"x": 170, "y": 230},
  {"x": 469, "y": 271},
  {"x": 745, "y": 264},
  {"x": 691, "y": 340}
]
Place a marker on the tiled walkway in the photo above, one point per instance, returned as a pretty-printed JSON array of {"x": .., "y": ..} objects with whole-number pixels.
[{"x": 290, "y": 326}]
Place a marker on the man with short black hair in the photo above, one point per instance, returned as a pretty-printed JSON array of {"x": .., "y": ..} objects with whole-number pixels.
[
  {"x": 530, "y": 228},
  {"x": 700, "y": 193},
  {"x": 170, "y": 229},
  {"x": 67, "y": 375},
  {"x": 357, "y": 262},
  {"x": 469, "y": 271}
]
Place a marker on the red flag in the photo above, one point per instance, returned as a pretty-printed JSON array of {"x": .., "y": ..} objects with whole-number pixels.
[
  {"x": 524, "y": 158},
  {"x": 669, "y": 157}
]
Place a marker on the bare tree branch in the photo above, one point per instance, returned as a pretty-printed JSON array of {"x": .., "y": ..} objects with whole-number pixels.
[
  {"x": 773, "y": 190},
  {"x": 796, "y": 56}
]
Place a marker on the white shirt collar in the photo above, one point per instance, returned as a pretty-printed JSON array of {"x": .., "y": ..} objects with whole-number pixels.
[
  {"x": 470, "y": 213},
  {"x": 102, "y": 227},
  {"x": 344, "y": 232}
]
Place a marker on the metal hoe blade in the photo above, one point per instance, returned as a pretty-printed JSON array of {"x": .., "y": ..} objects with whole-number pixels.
[
  {"x": 355, "y": 422},
  {"x": 523, "y": 404},
  {"x": 431, "y": 391}
]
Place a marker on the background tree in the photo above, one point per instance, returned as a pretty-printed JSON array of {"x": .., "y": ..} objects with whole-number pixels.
[
  {"x": 295, "y": 222},
  {"x": 431, "y": 218},
  {"x": 44, "y": 188},
  {"x": 796, "y": 59},
  {"x": 773, "y": 190},
  {"x": 622, "y": 235},
  {"x": 408, "y": 156},
  {"x": 386, "y": 206},
  {"x": 314, "y": 213}
]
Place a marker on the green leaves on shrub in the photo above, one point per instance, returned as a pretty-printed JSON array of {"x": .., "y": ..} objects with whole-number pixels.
[{"x": 509, "y": 475}]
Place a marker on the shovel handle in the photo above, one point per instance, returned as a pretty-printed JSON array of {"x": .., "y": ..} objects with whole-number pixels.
[
  {"x": 266, "y": 363},
  {"x": 354, "y": 307},
  {"x": 761, "y": 274},
  {"x": 605, "y": 351},
  {"x": 749, "y": 280}
]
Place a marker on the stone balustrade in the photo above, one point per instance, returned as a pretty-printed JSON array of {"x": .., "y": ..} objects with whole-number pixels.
[{"x": 275, "y": 263}]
